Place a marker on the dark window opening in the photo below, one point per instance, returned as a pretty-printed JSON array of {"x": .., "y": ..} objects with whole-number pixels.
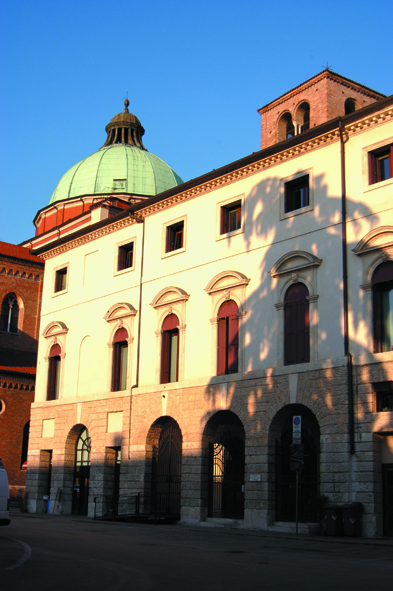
[
  {"x": 54, "y": 373},
  {"x": 383, "y": 307},
  {"x": 120, "y": 356},
  {"x": 286, "y": 128},
  {"x": 350, "y": 106},
  {"x": 61, "y": 280},
  {"x": 297, "y": 194},
  {"x": 9, "y": 313},
  {"x": 25, "y": 444},
  {"x": 303, "y": 115},
  {"x": 170, "y": 350},
  {"x": 384, "y": 396},
  {"x": 174, "y": 237},
  {"x": 126, "y": 256},
  {"x": 297, "y": 325},
  {"x": 228, "y": 339},
  {"x": 381, "y": 164},
  {"x": 231, "y": 217}
]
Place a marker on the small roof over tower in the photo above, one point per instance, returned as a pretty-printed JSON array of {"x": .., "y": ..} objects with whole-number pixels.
[
  {"x": 321, "y": 98},
  {"x": 125, "y": 128}
]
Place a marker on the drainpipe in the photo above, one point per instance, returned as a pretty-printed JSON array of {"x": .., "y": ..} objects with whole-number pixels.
[
  {"x": 139, "y": 220},
  {"x": 348, "y": 356}
]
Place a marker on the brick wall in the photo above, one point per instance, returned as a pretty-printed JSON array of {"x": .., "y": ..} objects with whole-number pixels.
[
  {"x": 16, "y": 395},
  {"x": 18, "y": 352},
  {"x": 326, "y": 97}
]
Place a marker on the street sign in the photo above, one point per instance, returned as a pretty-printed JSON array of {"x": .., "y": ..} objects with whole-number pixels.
[{"x": 297, "y": 429}]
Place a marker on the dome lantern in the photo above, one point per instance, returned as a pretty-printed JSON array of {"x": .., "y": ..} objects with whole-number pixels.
[{"x": 125, "y": 128}]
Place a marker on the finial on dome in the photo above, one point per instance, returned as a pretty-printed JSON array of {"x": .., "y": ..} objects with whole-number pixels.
[{"x": 126, "y": 103}]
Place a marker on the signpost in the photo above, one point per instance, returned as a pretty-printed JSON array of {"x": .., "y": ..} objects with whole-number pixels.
[{"x": 297, "y": 459}]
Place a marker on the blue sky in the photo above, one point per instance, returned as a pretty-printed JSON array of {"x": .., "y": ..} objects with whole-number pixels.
[{"x": 195, "y": 72}]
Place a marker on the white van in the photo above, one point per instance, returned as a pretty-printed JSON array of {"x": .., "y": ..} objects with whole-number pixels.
[{"x": 4, "y": 497}]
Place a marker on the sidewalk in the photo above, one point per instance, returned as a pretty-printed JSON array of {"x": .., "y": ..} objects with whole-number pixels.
[{"x": 229, "y": 531}]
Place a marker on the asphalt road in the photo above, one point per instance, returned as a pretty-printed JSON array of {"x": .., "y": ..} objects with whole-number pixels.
[{"x": 63, "y": 553}]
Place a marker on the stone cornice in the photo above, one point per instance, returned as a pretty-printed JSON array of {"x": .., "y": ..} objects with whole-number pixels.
[
  {"x": 365, "y": 123},
  {"x": 242, "y": 172}
]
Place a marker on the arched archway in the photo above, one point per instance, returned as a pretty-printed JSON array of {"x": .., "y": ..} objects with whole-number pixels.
[
  {"x": 77, "y": 476},
  {"x": 224, "y": 450},
  {"x": 164, "y": 467},
  {"x": 283, "y": 480}
]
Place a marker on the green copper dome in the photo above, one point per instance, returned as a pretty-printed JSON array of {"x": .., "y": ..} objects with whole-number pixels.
[{"x": 122, "y": 165}]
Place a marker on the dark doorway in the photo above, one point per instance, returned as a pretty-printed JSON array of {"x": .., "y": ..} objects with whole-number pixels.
[
  {"x": 225, "y": 434},
  {"x": 166, "y": 470},
  {"x": 80, "y": 493},
  {"x": 387, "y": 491},
  {"x": 285, "y": 478}
]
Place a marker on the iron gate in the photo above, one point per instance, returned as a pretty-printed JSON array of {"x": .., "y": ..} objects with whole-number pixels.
[
  {"x": 80, "y": 494},
  {"x": 286, "y": 478},
  {"x": 166, "y": 471},
  {"x": 226, "y": 473}
]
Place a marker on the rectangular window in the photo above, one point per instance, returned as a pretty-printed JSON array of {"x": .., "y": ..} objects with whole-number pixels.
[
  {"x": 381, "y": 164},
  {"x": 61, "y": 280},
  {"x": 126, "y": 256},
  {"x": 296, "y": 194},
  {"x": 231, "y": 217},
  {"x": 174, "y": 237},
  {"x": 119, "y": 184},
  {"x": 384, "y": 396}
]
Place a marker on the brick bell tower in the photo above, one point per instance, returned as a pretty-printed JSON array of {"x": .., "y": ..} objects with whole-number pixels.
[{"x": 321, "y": 98}]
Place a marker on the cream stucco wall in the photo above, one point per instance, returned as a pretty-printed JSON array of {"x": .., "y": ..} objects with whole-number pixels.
[{"x": 94, "y": 286}]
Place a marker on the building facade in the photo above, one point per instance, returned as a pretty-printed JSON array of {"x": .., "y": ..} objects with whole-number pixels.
[
  {"x": 181, "y": 335},
  {"x": 21, "y": 280}
]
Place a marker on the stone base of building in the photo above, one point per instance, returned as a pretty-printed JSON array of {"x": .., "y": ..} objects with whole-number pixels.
[{"x": 220, "y": 450}]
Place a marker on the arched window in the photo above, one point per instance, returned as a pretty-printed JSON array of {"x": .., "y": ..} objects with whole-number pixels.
[
  {"x": 9, "y": 313},
  {"x": 303, "y": 117},
  {"x": 170, "y": 350},
  {"x": 228, "y": 338},
  {"x": 120, "y": 356},
  {"x": 54, "y": 373},
  {"x": 350, "y": 106},
  {"x": 297, "y": 325},
  {"x": 383, "y": 307},
  {"x": 286, "y": 128}
]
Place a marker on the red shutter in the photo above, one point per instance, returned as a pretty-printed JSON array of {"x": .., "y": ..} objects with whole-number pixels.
[
  {"x": 52, "y": 376},
  {"x": 228, "y": 308},
  {"x": 121, "y": 335},
  {"x": 233, "y": 344},
  {"x": 116, "y": 367},
  {"x": 170, "y": 322},
  {"x": 384, "y": 272},
  {"x": 55, "y": 351},
  {"x": 165, "y": 356},
  {"x": 289, "y": 333},
  {"x": 391, "y": 162},
  {"x": 224, "y": 220},
  {"x": 303, "y": 315},
  {"x": 221, "y": 347},
  {"x": 121, "y": 263},
  {"x": 372, "y": 167},
  {"x": 297, "y": 325}
]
